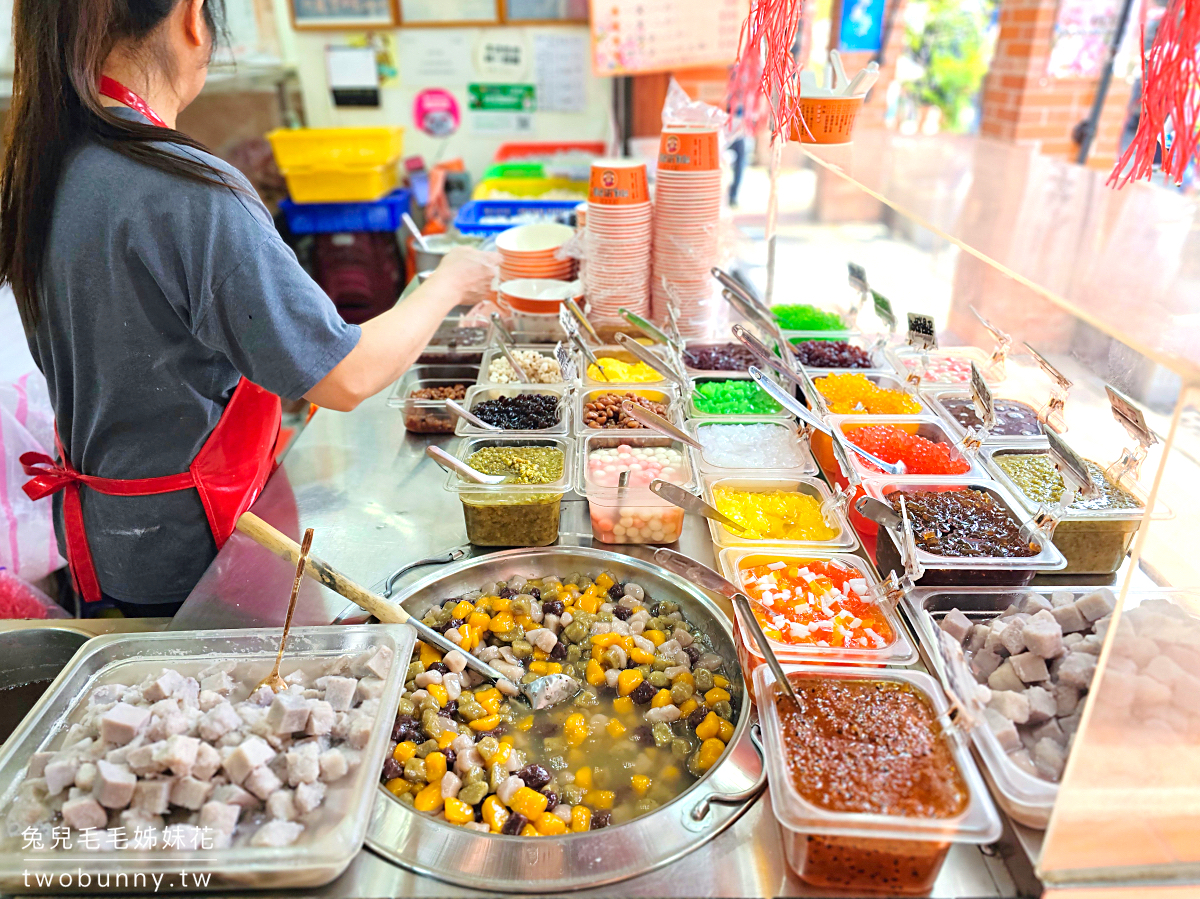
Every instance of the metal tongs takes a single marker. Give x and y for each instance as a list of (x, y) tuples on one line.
[(580, 319), (656, 422), (893, 587), (792, 405), (504, 339), (469, 417), (649, 329), (661, 366)]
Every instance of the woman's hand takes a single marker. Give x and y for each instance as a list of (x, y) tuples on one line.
[(469, 273)]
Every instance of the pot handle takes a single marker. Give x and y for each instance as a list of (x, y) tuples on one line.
[(704, 806)]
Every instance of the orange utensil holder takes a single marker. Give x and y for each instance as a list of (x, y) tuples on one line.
[(829, 120)]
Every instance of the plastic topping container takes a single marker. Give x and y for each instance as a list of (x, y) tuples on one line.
[(493, 353), (967, 519), (482, 393), (875, 357), (331, 838), (894, 648), (946, 365), (513, 514), (867, 851), (455, 344), (429, 416), (839, 537), (927, 428), (1093, 540), (704, 410), (620, 354), (822, 447), (665, 395), (632, 514), (726, 458), (1016, 421), (730, 358)]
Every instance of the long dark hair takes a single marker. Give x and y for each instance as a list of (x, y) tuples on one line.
[(60, 47)]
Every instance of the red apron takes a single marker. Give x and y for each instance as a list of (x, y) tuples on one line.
[(228, 472)]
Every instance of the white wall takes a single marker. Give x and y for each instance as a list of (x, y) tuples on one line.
[(306, 50)]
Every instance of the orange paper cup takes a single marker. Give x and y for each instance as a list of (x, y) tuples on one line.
[(689, 150), (618, 182)]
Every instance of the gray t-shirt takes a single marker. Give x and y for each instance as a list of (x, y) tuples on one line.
[(157, 295)]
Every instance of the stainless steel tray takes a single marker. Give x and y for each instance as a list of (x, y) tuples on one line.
[(553, 864), (314, 860)]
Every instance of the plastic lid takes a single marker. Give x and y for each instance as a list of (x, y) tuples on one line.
[(977, 823), (900, 651)]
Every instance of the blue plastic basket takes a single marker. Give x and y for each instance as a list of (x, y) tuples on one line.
[(514, 212), (328, 218)]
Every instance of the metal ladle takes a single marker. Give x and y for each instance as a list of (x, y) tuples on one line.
[(459, 467), (542, 693), (689, 502), (273, 680), (469, 417), (656, 422), (710, 580)]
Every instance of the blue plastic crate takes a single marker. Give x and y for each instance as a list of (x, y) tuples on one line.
[(328, 218), (515, 212)]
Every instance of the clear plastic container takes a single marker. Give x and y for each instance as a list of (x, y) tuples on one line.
[(905, 360), (868, 344), (665, 395), (928, 427), (740, 372), (941, 570), (330, 840), (1094, 541), (513, 514), (455, 344), (481, 393), (806, 468), (427, 416), (1025, 797), (900, 650), (937, 398), (537, 327), (859, 852), (822, 446), (844, 540), (632, 515), (623, 355), (692, 411), (494, 352)]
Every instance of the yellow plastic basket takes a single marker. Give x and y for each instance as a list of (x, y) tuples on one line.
[(348, 184), (296, 147), (529, 188)]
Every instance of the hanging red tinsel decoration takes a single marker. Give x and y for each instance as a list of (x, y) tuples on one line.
[(1170, 116), (764, 83)]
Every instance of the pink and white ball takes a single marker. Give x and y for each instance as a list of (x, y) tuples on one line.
[(644, 463)]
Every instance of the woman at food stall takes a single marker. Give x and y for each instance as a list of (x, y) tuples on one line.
[(160, 302)]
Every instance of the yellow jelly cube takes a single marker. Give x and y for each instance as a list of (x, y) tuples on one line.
[(719, 681), (581, 819), (641, 784), (623, 705), (710, 751), (445, 738), (658, 638), (589, 604), (529, 831), (628, 681), (397, 786), (489, 699), (491, 722), (501, 623), (576, 729), (479, 619), (708, 728), (429, 799), (540, 655), (500, 604), (428, 654), (583, 778), (598, 799), (458, 812), (688, 707), (615, 728), (525, 723), (661, 698), (550, 825), (404, 751), (435, 767), (641, 656), (494, 813), (604, 581), (463, 610), (715, 695), (606, 639), (438, 692), (725, 730), (670, 773), (685, 677), (539, 667), (529, 803), (594, 673)]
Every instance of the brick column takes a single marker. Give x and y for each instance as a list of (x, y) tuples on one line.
[(1022, 104)]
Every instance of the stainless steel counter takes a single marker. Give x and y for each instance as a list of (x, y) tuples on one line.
[(377, 503)]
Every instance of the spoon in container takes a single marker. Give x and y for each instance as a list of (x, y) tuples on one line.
[(793, 405), (541, 693), (459, 467), (273, 680), (689, 502), (579, 317), (656, 422), (648, 328), (415, 231), (588, 354), (502, 332), (516, 366), (470, 417), (710, 580)]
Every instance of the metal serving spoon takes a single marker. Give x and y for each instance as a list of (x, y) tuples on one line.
[(710, 580), (459, 467), (470, 417), (689, 502), (656, 422), (541, 693)]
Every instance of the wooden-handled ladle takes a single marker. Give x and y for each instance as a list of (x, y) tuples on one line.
[(542, 693)]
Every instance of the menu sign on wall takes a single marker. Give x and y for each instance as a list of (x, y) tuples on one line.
[(631, 36)]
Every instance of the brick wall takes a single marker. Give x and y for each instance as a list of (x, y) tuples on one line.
[(1021, 103)]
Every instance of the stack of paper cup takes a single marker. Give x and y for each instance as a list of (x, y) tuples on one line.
[(687, 218), (618, 238), (531, 251)]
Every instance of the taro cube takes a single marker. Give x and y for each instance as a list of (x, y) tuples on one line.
[(339, 692), (1076, 670), (1069, 619), (281, 805), (288, 714), (188, 792), (1043, 635), (60, 772), (219, 721), (333, 765), (1005, 678), (1029, 668), (956, 624), (984, 663), (1003, 729), (84, 813), (303, 764), (1049, 730), (114, 785), (163, 686), (277, 833), (220, 818), (262, 782), (1066, 698), (1013, 706), (309, 797), (152, 797), (1050, 758), (379, 662), (320, 718), (179, 754), (252, 753), (218, 682), (208, 761), (122, 723), (1041, 704), (1096, 605)]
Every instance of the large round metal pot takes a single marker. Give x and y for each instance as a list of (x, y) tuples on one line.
[(577, 861)]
